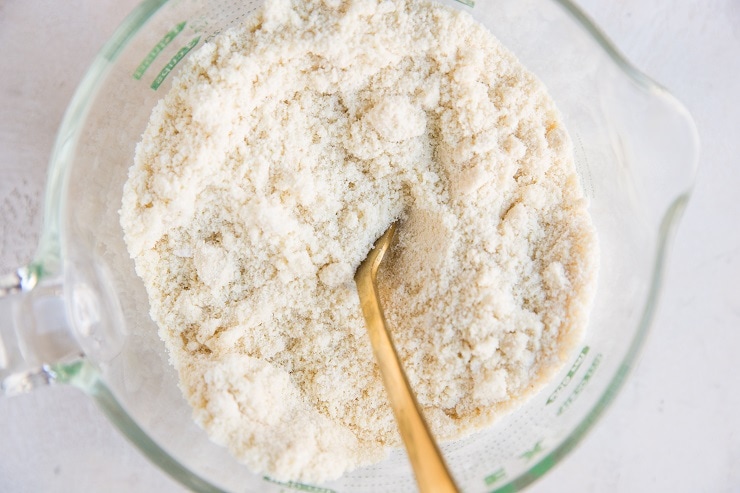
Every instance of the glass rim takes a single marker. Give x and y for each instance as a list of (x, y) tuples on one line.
[(82, 374)]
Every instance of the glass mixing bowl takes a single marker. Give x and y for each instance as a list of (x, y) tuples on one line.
[(79, 315)]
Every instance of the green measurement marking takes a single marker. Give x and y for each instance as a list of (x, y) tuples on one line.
[(569, 376), (174, 61), (495, 477), (469, 3), (581, 384), (154, 53), (299, 486), (529, 454)]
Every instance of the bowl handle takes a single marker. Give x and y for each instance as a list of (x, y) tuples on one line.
[(35, 335), (658, 140)]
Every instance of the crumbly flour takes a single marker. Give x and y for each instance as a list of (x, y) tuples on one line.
[(284, 149)]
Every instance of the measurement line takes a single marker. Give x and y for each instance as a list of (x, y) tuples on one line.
[(174, 61), (569, 376), (154, 53), (581, 385)]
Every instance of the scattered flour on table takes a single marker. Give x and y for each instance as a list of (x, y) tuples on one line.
[(284, 149)]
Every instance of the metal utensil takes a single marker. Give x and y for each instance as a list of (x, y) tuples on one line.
[(426, 460)]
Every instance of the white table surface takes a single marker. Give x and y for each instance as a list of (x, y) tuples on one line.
[(675, 426)]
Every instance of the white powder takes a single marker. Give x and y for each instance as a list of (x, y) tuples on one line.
[(284, 149)]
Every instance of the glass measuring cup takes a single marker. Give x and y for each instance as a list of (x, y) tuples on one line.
[(635, 152)]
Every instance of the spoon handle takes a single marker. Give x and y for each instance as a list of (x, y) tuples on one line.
[(429, 467)]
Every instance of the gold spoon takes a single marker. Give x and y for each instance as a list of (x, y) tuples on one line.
[(429, 467)]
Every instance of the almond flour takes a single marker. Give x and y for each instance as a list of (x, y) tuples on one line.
[(284, 149)]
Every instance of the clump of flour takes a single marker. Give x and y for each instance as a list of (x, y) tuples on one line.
[(284, 149)]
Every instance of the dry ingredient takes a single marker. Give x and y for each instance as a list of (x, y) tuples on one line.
[(284, 149)]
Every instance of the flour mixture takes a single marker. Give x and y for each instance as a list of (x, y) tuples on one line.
[(284, 149)]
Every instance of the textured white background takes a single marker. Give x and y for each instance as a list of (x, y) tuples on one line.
[(676, 425)]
